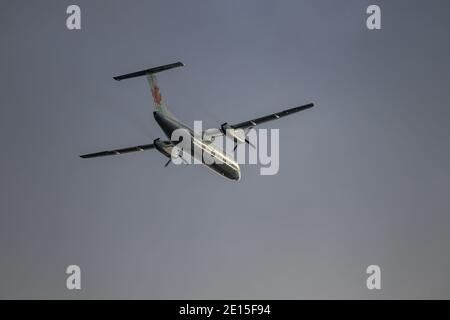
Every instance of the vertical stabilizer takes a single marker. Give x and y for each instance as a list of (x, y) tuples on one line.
[(158, 102)]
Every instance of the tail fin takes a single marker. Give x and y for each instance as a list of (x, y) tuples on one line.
[(150, 74), (156, 94)]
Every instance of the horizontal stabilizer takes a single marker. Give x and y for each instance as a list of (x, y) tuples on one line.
[(148, 71)]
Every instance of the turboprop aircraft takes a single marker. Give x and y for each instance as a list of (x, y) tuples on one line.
[(226, 166)]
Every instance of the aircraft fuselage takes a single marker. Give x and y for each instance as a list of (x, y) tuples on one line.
[(226, 167)]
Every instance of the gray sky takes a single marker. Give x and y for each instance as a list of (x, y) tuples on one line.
[(364, 176)]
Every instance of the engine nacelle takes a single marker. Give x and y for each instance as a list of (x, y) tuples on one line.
[(165, 147), (208, 138), (238, 135)]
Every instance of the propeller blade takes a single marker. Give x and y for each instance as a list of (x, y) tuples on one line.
[(249, 143)]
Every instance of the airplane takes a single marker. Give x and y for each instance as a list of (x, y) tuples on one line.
[(226, 166)]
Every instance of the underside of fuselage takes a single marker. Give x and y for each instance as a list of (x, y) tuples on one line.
[(224, 166)]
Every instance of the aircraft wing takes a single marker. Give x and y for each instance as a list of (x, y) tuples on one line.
[(118, 151), (210, 134), (270, 117)]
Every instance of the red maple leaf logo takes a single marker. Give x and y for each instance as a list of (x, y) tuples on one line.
[(156, 94)]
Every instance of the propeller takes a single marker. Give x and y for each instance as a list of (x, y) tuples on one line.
[(247, 142), (225, 126), (180, 155)]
